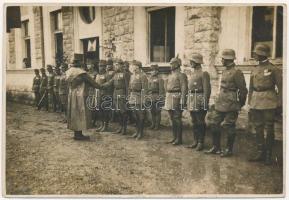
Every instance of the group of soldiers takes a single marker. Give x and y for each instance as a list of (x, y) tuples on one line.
[(126, 90)]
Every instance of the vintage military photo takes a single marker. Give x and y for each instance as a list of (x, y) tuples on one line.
[(170, 100)]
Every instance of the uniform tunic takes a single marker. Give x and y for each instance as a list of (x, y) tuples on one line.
[(63, 89), (233, 91), (199, 88), (156, 90), (36, 88), (263, 82), (176, 90), (138, 86)]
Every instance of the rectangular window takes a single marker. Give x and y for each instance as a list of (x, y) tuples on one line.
[(57, 20), (27, 45), (267, 28), (56, 24), (162, 34)]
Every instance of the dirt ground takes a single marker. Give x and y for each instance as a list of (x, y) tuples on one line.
[(42, 158)]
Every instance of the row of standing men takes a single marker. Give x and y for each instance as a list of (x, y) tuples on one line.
[(127, 84)]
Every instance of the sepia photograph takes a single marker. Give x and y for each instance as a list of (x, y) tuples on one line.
[(144, 100)]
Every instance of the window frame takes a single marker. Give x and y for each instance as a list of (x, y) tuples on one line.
[(26, 40), (148, 11), (274, 33)]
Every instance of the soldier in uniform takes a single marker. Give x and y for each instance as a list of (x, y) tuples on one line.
[(109, 74), (63, 89), (50, 88), (43, 90), (198, 100), (104, 96), (263, 101), (36, 86), (176, 91), (56, 88), (230, 100), (120, 83), (156, 92), (137, 90)]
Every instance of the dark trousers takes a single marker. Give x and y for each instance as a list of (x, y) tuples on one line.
[(177, 126), (199, 125), (37, 97), (43, 100), (215, 118), (139, 115), (156, 115), (51, 100), (264, 120)]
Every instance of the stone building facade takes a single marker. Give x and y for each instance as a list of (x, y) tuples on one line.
[(150, 34)]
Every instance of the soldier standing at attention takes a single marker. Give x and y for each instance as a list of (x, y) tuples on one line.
[(36, 86), (63, 90), (264, 101), (230, 100), (198, 100), (56, 88), (50, 86), (120, 83), (156, 92), (103, 97), (137, 90), (109, 74), (176, 91), (43, 90)]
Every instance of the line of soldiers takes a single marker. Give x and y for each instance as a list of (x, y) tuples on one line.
[(123, 88)]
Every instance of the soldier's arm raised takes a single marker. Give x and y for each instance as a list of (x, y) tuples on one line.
[(108, 83), (90, 80), (241, 85)]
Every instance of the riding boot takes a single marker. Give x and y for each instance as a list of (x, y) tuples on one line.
[(153, 122), (104, 127), (79, 136), (216, 141), (229, 150), (202, 132), (174, 134), (178, 141), (269, 145), (261, 147), (196, 137), (124, 126), (140, 134), (158, 121)]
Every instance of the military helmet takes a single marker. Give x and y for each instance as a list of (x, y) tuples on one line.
[(109, 61), (229, 54), (176, 60), (102, 63), (262, 50), (197, 58)]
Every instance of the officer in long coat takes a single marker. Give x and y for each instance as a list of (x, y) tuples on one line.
[(50, 88), (119, 82), (56, 88), (43, 91), (63, 90), (265, 96), (138, 86), (199, 88), (36, 86), (230, 100), (156, 92), (78, 112), (176, 91)]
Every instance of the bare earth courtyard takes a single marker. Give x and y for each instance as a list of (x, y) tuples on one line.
[(42, 158)]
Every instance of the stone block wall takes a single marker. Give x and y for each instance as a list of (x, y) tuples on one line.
[(202, 29), (118, 27), (38, 36), (68, 31)]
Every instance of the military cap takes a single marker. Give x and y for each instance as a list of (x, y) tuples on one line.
[(109, 61), (176, 60), (102, 63), (137, 63), (229, 54), (197, 58), (118, 61), (262, 50), (36, 70), (42, 69)]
